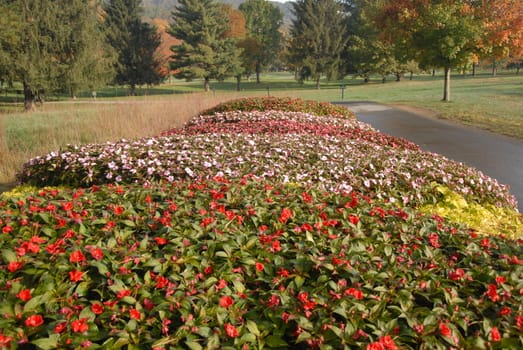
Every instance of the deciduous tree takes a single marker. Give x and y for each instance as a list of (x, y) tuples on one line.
[(263, 22)]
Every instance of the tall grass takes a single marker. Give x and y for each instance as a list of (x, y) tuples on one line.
[(26, 135)]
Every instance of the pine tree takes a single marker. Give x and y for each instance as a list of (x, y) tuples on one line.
[(135, 42), (55, 47), (263, 21), (318, 38), (205, 52)]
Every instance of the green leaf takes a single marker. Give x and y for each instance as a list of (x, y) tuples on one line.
[(193, 345), (9, 255), (274, 341), (253, 328), (47, 343), (128, 223)]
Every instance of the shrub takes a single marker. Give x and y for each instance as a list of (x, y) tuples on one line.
[(219, 264), (285, 104)]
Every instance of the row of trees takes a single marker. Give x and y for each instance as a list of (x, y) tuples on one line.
[(68, 45)]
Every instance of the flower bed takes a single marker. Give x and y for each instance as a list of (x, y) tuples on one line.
[(339, 154), (286, 104), (248, 263)]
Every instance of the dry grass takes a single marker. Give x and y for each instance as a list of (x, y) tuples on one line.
[(26, 135)]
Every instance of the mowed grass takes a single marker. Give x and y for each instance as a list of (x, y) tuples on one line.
[(492, 103)]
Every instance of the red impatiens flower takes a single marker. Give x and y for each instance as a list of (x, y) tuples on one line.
[(161, 240), (97, 253), (356, 293), (492, 292), (5, 341), (60, 327), (285, 215), (495, 335), (14, 266), (226, 301), (433, 240), (444, 330), (80, 326), (383, 343), (34, 321), (24, 294), (75, 276), (259, 266), (519, 322), (231, 331), (135, 314), (97, 308), (76, 256), (123, 293), (7, 229), (457, 274)]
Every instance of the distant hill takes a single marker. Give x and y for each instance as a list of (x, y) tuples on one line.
[(163, 8)]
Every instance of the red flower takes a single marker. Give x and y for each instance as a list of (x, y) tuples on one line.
[(519, 322), (60, 327), (123, 293), (231, 331), (7, 229), (259, 266), (135, 314), (75, 276), (34, 321), (5, 341), (433, 240), (161, 240), (161, 282), (24, 295), (208, 270), (14, 266), (354, 219), (97, 308), (97, 253), (501, 280), (307, 198), (495, 335), (285, 215), (504, 311), (76, 256), (444, 330), (273, 301), (226, 301), (356, 293), (118, 210), (221, 284), (456, 275), (492, 292), (80, 326)]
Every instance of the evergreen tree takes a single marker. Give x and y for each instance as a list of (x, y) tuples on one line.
[(205, 52), (263, 22), (55, 46), (318, 38), (135, 42)]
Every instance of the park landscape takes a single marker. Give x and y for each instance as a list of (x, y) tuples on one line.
[(264, 218)]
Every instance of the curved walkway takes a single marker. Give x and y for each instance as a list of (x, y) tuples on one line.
[(497, 156)]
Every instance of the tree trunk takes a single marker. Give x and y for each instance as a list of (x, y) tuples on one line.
[(398, 77), (433, 72), (132, 91), (318, 83), (29, 99), (494, 68), (238, 81), (207, 84), (258, 71), (446, 88), (473, 69), (411, 74)]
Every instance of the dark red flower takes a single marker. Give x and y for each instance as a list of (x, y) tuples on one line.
[(231, 331), (34, 321)]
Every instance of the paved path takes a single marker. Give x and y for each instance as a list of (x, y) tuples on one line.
[(497, 156)]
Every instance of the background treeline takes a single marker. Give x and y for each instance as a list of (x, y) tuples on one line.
[(72, 45)]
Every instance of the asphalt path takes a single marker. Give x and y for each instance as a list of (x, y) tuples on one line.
[(497, 156)]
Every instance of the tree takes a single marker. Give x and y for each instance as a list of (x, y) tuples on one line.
[(263, 22), (318, 38), (135, 42), (238, 32), (52, 46), (502, 37), (205, 51), (441, 33)]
